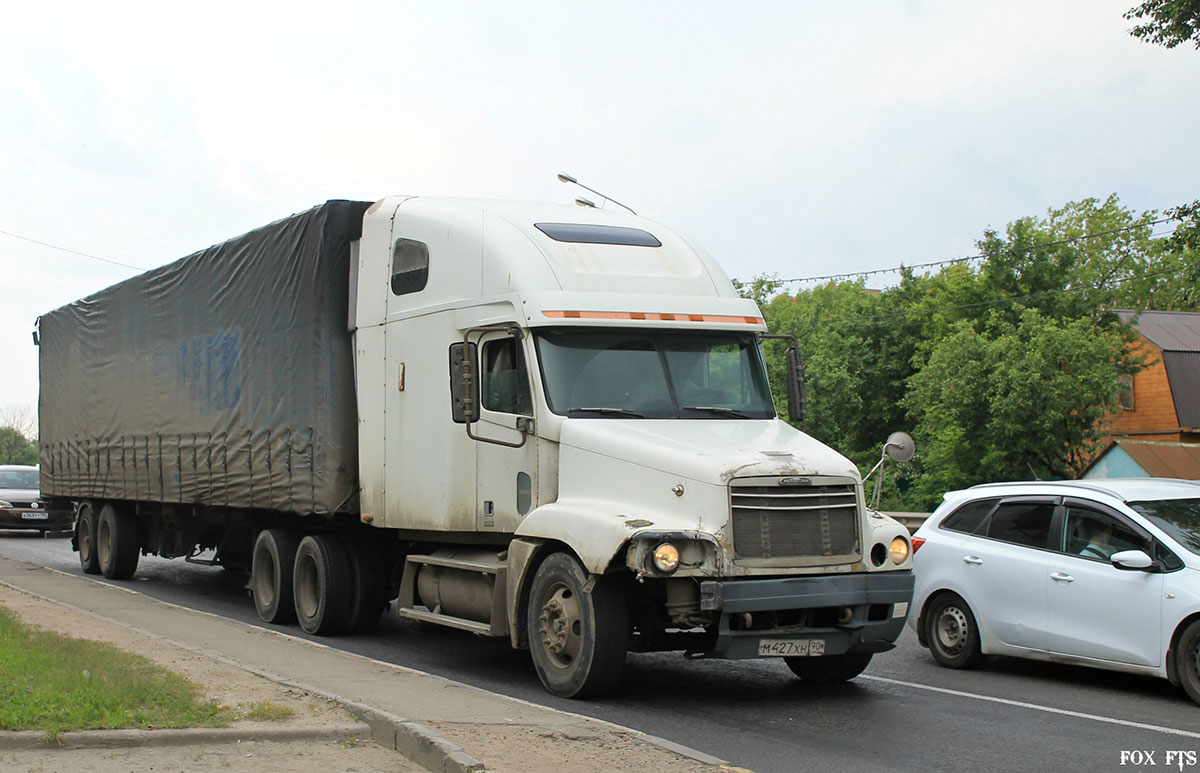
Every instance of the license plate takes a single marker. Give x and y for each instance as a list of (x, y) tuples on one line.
[(35, 516), (791, 647)]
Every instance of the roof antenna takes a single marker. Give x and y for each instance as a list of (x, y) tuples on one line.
[(1030, 466), (566, 178)]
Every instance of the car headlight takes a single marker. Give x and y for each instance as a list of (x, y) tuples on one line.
[(899, 550), (666, 558), (5, 505)]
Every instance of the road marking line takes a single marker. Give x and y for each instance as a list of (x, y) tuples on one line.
[(1035, 707)]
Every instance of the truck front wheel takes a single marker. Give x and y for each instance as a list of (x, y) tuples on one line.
[(117, 544), (271, 567), (578, 629), (85, 538), (830, 668)]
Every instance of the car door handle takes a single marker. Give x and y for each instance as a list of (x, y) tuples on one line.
[(1060, 577), (973, 560)]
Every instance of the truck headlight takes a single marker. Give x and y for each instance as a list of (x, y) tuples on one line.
[(666, 558), (899, 550)]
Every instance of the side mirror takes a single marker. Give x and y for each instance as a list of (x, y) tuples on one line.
[(1132, 560), (900, 447), (464, 383), (797, 391)]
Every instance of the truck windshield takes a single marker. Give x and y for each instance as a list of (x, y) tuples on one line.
[(654, 374)]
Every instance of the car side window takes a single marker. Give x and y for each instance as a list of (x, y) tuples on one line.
[(1022, 523), (1091, 534), (970, 516), (1169, 560)]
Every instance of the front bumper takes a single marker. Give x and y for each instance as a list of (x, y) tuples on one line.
[(37, 518), (878, 605)]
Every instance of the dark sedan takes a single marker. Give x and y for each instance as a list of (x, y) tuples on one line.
[(20, 502)]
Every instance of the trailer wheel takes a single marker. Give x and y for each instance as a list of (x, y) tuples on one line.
[(578, 629), (322, 585), (368, 588), (830, 668), (271, 568), (85, 538), (117, 544)]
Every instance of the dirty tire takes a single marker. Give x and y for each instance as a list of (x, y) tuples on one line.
[(951, 632), (368, 585), (271, 569), (321, 585), (85, 538), (117, 542), (830, 668), (577, 639), (1187, 660)]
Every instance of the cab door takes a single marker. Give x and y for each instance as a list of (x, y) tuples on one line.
[(506, 475)]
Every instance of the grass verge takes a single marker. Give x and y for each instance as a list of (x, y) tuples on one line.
[(56, 684)]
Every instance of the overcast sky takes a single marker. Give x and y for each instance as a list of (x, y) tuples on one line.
[(794, 138)]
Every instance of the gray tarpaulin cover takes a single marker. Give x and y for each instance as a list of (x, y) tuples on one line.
[(225, 378)]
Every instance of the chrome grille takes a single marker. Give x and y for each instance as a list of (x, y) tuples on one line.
[(775, 521)]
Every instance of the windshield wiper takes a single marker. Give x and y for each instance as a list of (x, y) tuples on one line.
[(717, 409), (619, 411)]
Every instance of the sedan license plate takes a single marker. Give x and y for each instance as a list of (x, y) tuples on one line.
[(35, 516), (791, 647)]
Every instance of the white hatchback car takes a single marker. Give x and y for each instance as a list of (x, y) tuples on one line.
[(1102, 573)]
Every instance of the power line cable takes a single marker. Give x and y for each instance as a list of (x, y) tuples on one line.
[(981, 256), (73, 252)]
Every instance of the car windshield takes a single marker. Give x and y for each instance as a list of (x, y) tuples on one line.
[(1178, 517), (20, 479), (649, 374)]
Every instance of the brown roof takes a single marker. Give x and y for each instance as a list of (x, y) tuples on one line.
[(1171, 331), (1177, 334), (1165, 460)]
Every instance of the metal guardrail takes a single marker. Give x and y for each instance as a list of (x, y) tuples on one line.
[(911, 521)]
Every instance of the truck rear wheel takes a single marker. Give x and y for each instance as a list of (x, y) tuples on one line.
[(117, 543), (830, 668), (578, 629), (271, 569), (85, 538), (322, 585)]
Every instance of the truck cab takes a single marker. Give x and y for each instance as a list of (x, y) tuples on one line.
[(564, 416)]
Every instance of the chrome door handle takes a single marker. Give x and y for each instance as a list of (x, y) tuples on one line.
[(1060, 577), (973, 560)]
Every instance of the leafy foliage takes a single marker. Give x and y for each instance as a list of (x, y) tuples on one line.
[(1001, 366), (1169, 22), (15, 448)]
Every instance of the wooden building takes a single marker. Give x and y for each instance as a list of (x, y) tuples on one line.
[(1160, 406)]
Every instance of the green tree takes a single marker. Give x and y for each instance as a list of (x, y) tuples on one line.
[(1182, 254), (15, 448), (1013, 400), (1169, 22)]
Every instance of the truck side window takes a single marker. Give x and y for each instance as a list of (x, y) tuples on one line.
[(410, 267), (505, 381)]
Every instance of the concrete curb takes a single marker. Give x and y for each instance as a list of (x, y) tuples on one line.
[(412, 739), (115, 739), (415, 740)]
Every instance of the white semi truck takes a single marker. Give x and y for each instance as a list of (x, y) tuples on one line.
[(523, 420)]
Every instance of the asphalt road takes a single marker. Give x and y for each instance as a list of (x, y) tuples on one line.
[(904, 713)]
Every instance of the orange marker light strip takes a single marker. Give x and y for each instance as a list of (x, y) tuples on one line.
[(653, 316)]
